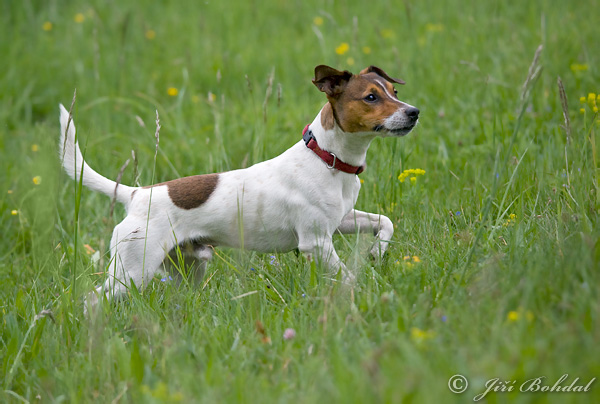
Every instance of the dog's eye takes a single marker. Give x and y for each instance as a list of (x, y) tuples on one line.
[(371, 98), (395, 91)]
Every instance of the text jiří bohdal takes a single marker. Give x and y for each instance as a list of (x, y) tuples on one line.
[(537, 384)]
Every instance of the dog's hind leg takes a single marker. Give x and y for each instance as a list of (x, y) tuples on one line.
[(203, 253), (192, 269), (136, 256)]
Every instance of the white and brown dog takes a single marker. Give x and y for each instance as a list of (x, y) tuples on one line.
[(297, 200)]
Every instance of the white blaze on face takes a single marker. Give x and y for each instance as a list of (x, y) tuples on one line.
[(391, 96), (398, 121)]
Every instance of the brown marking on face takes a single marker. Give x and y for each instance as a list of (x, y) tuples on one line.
[(331, 81), (327, 118), (191, 192), (355, 113), (381, 73), (347, 96)]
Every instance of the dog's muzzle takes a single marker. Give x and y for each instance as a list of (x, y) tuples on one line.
[(401, 122)]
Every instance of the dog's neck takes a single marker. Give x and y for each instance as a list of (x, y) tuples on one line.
[(348, 147)]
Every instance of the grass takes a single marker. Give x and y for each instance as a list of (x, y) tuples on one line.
[(503, 224)]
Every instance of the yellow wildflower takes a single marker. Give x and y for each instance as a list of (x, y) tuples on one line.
[(413, 179), (14, 212), (366, 50), (582, 100), (419, 336), (582, 110), (172, 91), (576, 67), (408, 261), (350, 61), (516, 315), (35, 147), (160, 392), (591, 98), (195, 99), (511, 220), (150, 34), (79, 18), (414, 172), (47, 26), (318, 20), (595, 109), (362, 181), (434, 27), (387, 33), (37, 180), (343, 48), (10, 191)]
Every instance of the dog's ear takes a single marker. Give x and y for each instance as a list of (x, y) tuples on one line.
[(377, 70), (331, 81)]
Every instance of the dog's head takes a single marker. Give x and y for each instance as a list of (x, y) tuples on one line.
[(364, 102)]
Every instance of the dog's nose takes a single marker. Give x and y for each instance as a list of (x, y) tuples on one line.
[(412, 112)]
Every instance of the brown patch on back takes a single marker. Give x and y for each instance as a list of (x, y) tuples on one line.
[(191, 192), (327, 118)]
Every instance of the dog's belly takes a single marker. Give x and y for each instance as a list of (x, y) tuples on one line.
[(267, 241), (258, 233), (260, 241)]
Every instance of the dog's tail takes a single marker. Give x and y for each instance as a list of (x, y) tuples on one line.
[(73, 162)]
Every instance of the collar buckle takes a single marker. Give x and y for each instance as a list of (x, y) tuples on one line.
[(331, 161), (307, 135)]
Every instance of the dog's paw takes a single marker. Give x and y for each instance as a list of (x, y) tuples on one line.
[(348, 277), (90, 303), (378, 250)]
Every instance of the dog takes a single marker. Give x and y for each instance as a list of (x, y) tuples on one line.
[(296, 201)]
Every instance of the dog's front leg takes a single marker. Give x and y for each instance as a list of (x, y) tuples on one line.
[(322, 251), (380, 226)]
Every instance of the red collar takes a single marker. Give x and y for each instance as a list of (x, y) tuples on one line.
[(329, 158)]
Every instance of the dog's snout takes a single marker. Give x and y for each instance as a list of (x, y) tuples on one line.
[(412, 112)]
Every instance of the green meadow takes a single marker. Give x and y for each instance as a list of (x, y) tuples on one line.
[(493, 269)]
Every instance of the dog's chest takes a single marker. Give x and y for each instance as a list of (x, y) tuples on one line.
[(349, 189)]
